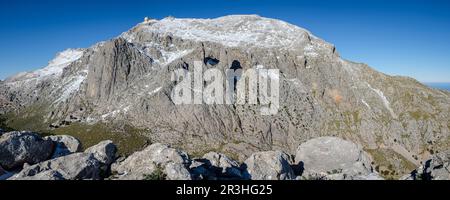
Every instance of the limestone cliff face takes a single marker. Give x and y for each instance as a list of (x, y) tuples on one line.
[(127, 80)]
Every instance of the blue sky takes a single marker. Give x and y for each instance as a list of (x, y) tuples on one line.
[(409, 37)]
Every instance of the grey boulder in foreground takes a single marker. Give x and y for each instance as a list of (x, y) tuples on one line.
[(269, 165), (324, 158), (65, 145), (333, 158), (17, 148), (156, 158), (159, 161)]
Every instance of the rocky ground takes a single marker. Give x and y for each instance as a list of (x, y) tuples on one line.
[(28, 156)]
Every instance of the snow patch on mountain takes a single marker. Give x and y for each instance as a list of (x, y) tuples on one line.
[(54, 68), (386, 103), (365, 103), (62, 60), (232, 31), (170, 56), (71, 86)]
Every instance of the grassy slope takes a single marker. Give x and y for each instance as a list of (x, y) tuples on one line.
[(128, 139)]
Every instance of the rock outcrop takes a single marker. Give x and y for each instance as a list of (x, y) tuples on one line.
[(223, 166), (436, 168), (71, 167), (65, 145), (152, 159), (333, 158), (177, 171), (323, 158), (105, 152), (17, 148), (269, 165), (91, 164)]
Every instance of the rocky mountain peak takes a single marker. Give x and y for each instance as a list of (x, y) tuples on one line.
[(230, 31)]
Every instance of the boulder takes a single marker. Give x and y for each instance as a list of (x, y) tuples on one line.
[(223, 165), (201, 170), (439, 166), (77, 166), (148, 161), (65, 145), (44, 175), (177, 171), (436, 168), (332, 158), (269, 165), (17, 148), (105, 152)]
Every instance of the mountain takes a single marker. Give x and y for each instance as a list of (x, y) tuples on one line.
[(124, 85)]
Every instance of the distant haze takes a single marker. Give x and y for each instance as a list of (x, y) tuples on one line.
[(443, 86)]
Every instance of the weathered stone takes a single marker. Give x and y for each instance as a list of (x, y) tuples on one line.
[(146, 162), (177, 171), (65, 145), (332, 158), (45, 175), (436, 168), (223, 165), (17, 148), (75, 166), (269, 165), (105, 152), (201, 170)]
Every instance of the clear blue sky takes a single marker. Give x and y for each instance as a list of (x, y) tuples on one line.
[(409, 37)]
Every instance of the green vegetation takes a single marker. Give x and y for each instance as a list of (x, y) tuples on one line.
[(390, 164), (351, 118), (219, 149), (419, 115), (128, 139), (3, 124), (30, 118)]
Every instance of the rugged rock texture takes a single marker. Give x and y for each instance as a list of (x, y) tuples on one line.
[(161, 162), (223, 165), (72, 167), (127, 80), (65, 145), (332, 158), (437, 168), (269, 165), (92, 164), (177, 171), (152, 159), (17, 148), (105, 152)]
